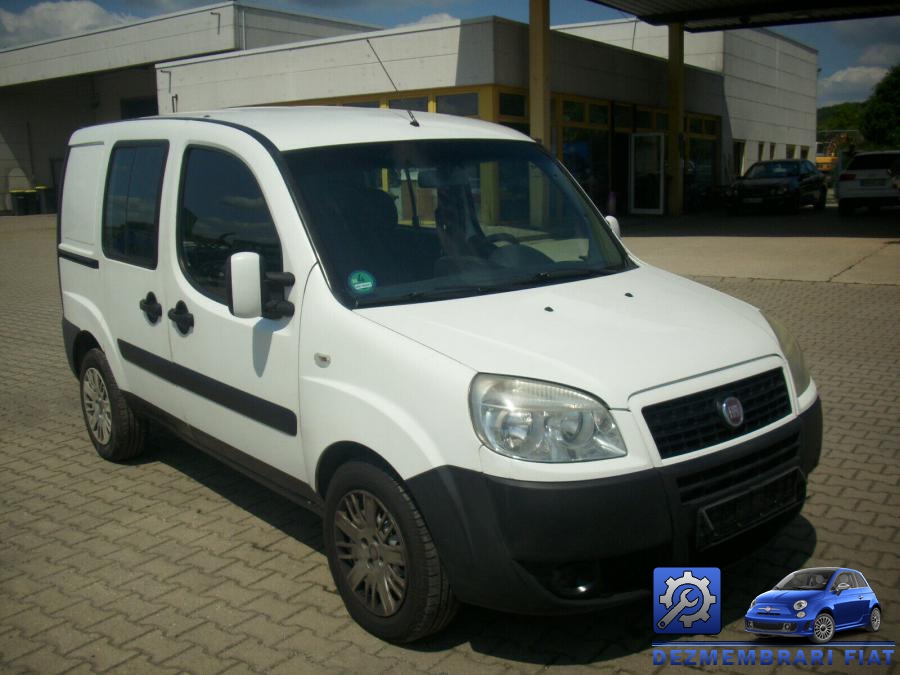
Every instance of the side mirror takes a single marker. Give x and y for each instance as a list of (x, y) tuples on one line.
[(842, 587), (614, 225), (243, 281)]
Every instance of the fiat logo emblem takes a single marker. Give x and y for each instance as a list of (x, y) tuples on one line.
[(732, 412), (768, 609)]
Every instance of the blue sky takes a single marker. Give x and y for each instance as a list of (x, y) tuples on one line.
[(853, 55)]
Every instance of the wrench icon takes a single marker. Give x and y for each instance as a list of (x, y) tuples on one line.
[(683, 603)]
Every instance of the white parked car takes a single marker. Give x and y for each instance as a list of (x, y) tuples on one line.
[(428, 334), (870, 179)]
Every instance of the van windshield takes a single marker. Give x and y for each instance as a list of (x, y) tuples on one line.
[(426, 220)]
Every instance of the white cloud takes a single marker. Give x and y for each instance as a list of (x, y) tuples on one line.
[(440, 17), (55, 19), (849, 84), (882, 54)]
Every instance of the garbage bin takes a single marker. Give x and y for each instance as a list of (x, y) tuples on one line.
[(25, 202), (46, 199)]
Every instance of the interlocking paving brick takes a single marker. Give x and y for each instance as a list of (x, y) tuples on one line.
[(176, 562)]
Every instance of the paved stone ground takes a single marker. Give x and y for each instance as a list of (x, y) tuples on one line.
[(177, 563)]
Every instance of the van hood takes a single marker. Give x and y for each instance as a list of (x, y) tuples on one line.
[(612, 336)]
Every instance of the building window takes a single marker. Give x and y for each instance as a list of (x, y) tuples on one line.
[(573, 111), (512, 105), (222, 212), (131, 204), (804, 152), (598, 114), (662, 121), (362, 104), (465, 105), (771, 151), (760, 150), (790, 151), (643, 119), (417, 103), (623, 115)]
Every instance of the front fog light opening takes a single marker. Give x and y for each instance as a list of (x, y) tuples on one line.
[(800, 615)]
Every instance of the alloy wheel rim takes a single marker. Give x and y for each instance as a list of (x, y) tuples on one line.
[(371, 552), (824, 627), (876, 619), (97, 409)]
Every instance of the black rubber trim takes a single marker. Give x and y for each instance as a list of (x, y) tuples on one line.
[(78, 259), (248, 405), (70, 331), (277, 481), (500, 539)]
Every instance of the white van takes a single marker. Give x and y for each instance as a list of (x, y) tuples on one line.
[(424, 331)]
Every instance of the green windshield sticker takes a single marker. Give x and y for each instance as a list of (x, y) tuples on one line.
[(361, 282)]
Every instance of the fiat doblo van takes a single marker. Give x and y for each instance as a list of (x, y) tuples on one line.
[(427, 333)]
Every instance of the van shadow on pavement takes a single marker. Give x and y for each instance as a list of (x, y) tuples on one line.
[(547, 640)]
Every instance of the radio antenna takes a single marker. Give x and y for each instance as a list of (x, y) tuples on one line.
[(412, 118)]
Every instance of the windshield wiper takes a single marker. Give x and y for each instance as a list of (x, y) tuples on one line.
[(566, 273)]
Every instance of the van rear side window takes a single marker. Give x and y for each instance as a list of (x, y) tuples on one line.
[(131, 203)]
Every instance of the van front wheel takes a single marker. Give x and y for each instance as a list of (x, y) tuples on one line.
[(382, 558), (116, 432)]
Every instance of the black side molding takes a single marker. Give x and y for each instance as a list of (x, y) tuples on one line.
[(248, 405), (284, 484), (78, 259)]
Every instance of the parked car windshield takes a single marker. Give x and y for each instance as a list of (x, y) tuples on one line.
[(426, 220), (877, 160), (805, 580), (773, 170)]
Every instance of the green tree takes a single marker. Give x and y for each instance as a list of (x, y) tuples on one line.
[(881, 115), (842, 116)]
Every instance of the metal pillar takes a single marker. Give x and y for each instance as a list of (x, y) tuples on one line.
[(675, 138), (539, 70)]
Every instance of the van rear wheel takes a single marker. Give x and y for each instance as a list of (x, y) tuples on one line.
[(116, 432), (382, 557)]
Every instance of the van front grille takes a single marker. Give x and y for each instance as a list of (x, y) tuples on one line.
[(694, 422)]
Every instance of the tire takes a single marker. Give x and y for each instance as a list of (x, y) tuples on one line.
[(874, 620), (823, 629), (115, 430), (845, 208), (399, 591), (820, 202)]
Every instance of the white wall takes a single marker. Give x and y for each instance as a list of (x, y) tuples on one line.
[(440, 55), (703, 50), (205, 30), (257, 27), (770, 90), (587, 68)]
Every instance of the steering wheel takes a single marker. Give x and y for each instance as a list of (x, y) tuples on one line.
[(500, 236)]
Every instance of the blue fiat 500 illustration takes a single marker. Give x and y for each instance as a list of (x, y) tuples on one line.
[(815, 603)]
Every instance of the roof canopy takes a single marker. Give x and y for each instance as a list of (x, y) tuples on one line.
[(704, 15)]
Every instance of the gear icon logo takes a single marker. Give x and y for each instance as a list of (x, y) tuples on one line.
[(687, 601)]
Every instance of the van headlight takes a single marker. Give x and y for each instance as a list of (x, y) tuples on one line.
[(542, 422), (791, 349)]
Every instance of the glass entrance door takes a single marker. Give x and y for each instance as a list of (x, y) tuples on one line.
[(646, 177)]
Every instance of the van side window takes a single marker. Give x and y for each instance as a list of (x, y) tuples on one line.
[(131, 204), (221, 211)]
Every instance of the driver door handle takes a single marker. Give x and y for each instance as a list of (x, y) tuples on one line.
[(151, 308), (182, 318)]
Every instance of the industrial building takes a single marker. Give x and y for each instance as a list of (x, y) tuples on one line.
[(748, 93)]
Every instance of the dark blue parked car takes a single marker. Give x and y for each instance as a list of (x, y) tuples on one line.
[(815, 603)]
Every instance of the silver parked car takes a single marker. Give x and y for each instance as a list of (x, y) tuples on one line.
[(870, 179)]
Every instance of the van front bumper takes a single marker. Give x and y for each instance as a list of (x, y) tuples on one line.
[(560, 547)]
